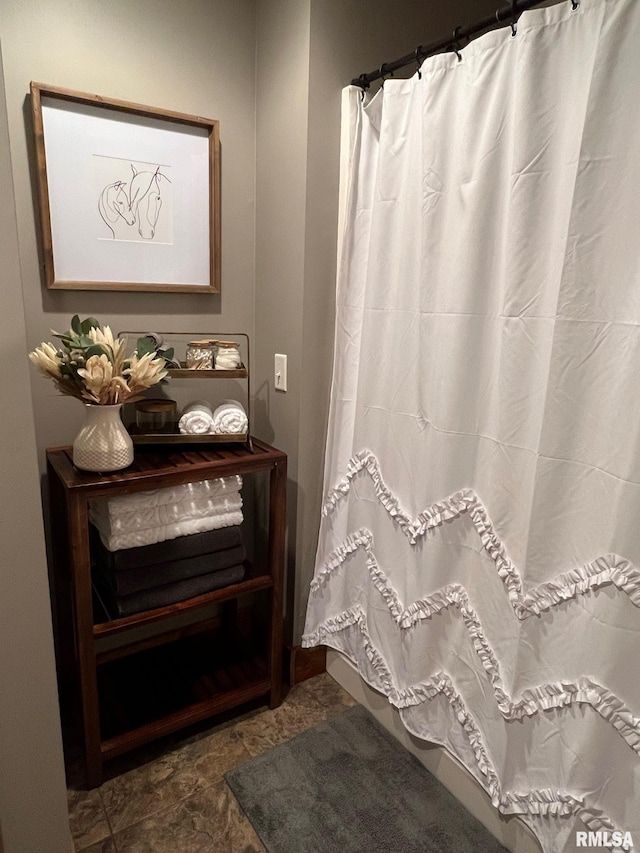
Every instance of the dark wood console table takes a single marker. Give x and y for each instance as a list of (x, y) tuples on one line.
[(217, 665)]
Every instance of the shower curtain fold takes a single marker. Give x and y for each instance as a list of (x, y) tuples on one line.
[(479, 551)]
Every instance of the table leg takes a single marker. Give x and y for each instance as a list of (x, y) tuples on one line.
[(78, 531), (276, 555)]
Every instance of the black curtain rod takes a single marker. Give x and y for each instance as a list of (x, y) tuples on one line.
[(508, 13)]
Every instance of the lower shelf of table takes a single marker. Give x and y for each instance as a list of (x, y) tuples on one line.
[(163, 689), (256, 579)]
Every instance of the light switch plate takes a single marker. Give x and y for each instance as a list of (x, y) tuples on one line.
[(280, 372)]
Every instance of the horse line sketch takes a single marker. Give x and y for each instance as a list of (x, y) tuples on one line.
[(134, 204)]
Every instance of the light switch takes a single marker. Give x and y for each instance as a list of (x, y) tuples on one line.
[(280, 372)]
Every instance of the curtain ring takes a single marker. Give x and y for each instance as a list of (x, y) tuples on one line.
[(382, 72), (455, 44), (363, 82), (574, 5), (419, 62), (514, 18)]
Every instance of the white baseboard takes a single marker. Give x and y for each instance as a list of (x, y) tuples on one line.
[(511, 832)]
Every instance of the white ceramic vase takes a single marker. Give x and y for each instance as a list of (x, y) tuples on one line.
[(103, 444)]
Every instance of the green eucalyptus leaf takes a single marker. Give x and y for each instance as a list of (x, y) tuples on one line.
[(75, 324), (167, 354), (92, 323), (145, 345), (94, 349)]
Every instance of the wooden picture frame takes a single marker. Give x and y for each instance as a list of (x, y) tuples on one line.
[(129, 195)]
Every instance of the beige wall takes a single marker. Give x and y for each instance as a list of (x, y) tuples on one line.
[(282, 74), (32, 788)]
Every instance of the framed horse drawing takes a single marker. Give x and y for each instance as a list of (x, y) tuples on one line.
[(129, 195)]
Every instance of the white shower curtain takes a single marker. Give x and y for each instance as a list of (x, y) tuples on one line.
[(479, 551)]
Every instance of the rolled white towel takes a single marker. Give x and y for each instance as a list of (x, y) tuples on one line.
[(230, 418), (196, 419)]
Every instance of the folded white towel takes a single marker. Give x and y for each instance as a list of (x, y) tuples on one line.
[(230, 417), (111, 523), (126, 504), (150, 535), (196, 419)]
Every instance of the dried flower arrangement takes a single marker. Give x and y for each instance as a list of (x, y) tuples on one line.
[(92, 366)]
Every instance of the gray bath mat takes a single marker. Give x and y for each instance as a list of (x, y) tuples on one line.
[(347, 786)]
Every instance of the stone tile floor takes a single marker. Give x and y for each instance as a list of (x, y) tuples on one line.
[(174, 799)]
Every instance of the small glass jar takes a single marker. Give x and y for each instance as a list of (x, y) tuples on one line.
[(156, 415), (200, 355), (227, 355)]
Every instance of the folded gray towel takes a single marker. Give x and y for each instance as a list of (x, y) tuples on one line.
[(164, 552), (163, 596), (130, 581)]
